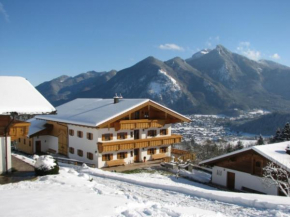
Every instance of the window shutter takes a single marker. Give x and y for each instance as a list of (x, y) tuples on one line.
[(166, 131), (111, 136), (118, 156), (103, 136), (103, 158), (111, 155), (118, 136), (126, 134), (126, 154), (148, 152), (154, 151)]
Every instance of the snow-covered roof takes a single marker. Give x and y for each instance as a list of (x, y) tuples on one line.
[(18, 95), (93, 112), (273, 152), (35, 126)]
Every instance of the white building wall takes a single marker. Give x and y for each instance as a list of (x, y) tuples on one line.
[(83, 144), (3, 155), (219, 176), (47, 142)]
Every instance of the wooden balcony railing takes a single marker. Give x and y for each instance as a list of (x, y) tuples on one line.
[(138, 124), (138, 143)]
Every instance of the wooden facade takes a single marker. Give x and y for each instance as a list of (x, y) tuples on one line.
[(16, 129), (60, 130), (249, 162), (138, 143)]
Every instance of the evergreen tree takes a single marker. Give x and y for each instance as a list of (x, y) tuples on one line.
[(239, 145), (260, 140), (286, 132)]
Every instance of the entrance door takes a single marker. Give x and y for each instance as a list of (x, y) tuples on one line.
[(38, 146), (136, 155), (136, 134), (230, 180)]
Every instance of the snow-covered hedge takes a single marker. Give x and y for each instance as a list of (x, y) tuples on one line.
[(45, 165)]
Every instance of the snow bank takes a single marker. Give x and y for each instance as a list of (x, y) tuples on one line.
[(253, 200)]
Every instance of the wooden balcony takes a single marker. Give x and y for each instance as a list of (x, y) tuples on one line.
[(138, 124), (138, 143)]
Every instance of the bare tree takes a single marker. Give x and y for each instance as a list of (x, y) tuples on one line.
[(278, 176)]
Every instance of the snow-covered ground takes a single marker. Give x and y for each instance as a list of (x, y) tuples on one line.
[(84, 191)]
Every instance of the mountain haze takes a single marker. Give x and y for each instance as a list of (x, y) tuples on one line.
[(211, 81)]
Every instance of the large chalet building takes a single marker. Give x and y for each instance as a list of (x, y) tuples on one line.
[(105, 132), (17, 97), (242, 170)]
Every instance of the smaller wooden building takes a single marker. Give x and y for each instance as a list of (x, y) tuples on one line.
[(242, 170), (17, 97)]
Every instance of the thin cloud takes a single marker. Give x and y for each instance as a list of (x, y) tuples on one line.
[(275, 56), (4, 13), (212, 40), (171, 47), (245, 49)]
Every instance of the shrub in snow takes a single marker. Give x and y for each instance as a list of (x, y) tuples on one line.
[(46, 165)]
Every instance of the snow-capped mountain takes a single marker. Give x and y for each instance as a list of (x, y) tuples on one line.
[(214, 81)]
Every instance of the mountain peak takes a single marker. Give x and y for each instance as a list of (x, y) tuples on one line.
[(200, 53)]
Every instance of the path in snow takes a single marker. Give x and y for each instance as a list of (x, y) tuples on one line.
[(173, 199)]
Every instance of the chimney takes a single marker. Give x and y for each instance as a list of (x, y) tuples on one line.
[(116, 99)]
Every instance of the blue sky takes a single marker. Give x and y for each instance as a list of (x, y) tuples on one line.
[(41, 40)]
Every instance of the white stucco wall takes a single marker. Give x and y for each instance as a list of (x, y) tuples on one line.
[(219, 176), (83, 144), (47, 142), (3, 155)]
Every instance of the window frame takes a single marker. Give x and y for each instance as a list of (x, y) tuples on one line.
[(71, 132), (80, 153), (162, 132), (163, 149), (90, 136), (151, 151), (90, 156), (80, 134), (107, 157), (154, 134), (107, 135), (71, 150), (122, 155), (122, 135)]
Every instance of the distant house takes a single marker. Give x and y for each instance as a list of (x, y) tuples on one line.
[(243, 169), (105, 132), (17, 97)]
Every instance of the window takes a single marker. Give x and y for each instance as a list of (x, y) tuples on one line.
[(24, 141), (29, 143), (122, 155), (132, 134), (71, 132), (146, 114), (71, 150), (151, 151), (163, 150), (131, 153), (90, 156), (152, 133), (107, 157), (89, 136), (163, 132), (19, 140), (107, 137), (80, 153), (122, 136), (80, 134), (137, 115)]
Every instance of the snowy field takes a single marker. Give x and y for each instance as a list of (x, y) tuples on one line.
[(83, 191)]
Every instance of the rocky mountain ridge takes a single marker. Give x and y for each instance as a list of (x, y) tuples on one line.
[(211, 81)]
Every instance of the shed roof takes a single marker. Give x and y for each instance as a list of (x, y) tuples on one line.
[(93, 112), (18, 95), (274, 152)]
